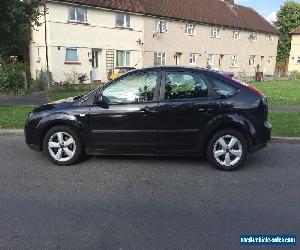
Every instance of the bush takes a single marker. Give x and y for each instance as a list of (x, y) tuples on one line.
[(11, 79)]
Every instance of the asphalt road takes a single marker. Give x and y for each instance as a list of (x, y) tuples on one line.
[(143, 202)]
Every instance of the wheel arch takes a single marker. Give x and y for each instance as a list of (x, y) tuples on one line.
[(236, 122), (59, 120)]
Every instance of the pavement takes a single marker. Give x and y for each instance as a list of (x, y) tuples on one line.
[(144, 202), (287, 108), (36, 98)]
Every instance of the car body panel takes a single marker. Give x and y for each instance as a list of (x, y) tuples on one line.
[(162, 127)]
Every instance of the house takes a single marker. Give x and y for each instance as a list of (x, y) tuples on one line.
[(98, 37), (294, 61)]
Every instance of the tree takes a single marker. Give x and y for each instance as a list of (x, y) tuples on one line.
[(16, 19), (288, 19)]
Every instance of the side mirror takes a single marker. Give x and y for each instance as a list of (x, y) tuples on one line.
[(100, 100)]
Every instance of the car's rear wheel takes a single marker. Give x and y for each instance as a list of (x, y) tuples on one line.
[(227, 149), (62, 146)]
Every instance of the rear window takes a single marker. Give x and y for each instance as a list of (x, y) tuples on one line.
[(222, 88)]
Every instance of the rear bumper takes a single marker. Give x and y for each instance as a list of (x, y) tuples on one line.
[(262, 138)]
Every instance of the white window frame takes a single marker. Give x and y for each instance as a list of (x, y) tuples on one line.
[(190, 29), (215, 32), (76, 17), (236, 34), (270, 39), (193, 59), (298, 60), (77, 54), (234, 61), (161, 26), (125, 19), (270, 60), (253, 36), (160, 56), (126, 63), (251, 61), (210, 60)]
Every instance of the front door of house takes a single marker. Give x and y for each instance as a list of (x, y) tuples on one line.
[(95, 65)]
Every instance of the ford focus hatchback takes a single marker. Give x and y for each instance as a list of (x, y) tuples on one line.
[(156, 111)]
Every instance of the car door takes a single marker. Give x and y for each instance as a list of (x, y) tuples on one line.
[(128, 123), (187, 104)]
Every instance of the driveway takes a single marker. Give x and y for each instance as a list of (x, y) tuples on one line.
[(36, 98), (144, 202)]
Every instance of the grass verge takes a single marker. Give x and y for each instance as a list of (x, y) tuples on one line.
[(281, 92), (285, 123), (12, 116)]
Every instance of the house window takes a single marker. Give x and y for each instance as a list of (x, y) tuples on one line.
[(77, 14), (193, 58), (236, 34), (234, 61), (298, 60), (123, 58), (190, 29), (251, 61), (215, 32), (71, 55), (270, 39), (159, 59), (253, 36), (161, 26), (210, 60), (270, 60), (123, 20)]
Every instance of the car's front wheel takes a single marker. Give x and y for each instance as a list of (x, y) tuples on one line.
[(62, 146), (227, 149)]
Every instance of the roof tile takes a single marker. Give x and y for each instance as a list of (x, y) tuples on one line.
[(213, 12)]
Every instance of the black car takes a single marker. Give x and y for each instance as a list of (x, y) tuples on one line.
[(156, 111)]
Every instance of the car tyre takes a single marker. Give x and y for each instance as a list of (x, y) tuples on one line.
[(227, 149), (62, 146)]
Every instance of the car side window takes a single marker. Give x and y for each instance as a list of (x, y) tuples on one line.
[(134, 88), (221, 87), (184, 85)]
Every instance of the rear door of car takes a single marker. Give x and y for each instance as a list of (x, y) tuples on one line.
[(187, 103)]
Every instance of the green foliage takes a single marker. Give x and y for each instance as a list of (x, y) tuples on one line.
[(16, 19), (288, 19), (11, 79)]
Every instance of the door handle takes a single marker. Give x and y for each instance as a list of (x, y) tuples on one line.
[(145, 111)]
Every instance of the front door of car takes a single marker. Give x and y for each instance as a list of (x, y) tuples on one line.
[(187, 104), (126, 122)]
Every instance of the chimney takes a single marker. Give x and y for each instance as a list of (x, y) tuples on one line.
[(231, 2)]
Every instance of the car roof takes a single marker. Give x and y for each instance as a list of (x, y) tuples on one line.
[(180, 68)]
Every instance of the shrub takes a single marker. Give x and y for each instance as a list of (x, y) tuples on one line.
[(11, 79)]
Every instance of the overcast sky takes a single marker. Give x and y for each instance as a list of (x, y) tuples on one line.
[(267, 8)]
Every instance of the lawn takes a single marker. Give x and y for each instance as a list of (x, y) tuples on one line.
[(14, 116), (71, 90), (281, 92), (284, 123)]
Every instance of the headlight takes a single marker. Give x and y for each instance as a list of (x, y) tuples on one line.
[(30, 115)]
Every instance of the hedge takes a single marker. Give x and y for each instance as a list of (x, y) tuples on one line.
[(11, 79)]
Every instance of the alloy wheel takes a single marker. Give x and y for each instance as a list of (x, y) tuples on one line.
[(62, 146), (228, 150)]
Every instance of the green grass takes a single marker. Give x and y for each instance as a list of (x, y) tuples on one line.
[(285, 123), (71, 90), (281, 92), (13, 116)]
